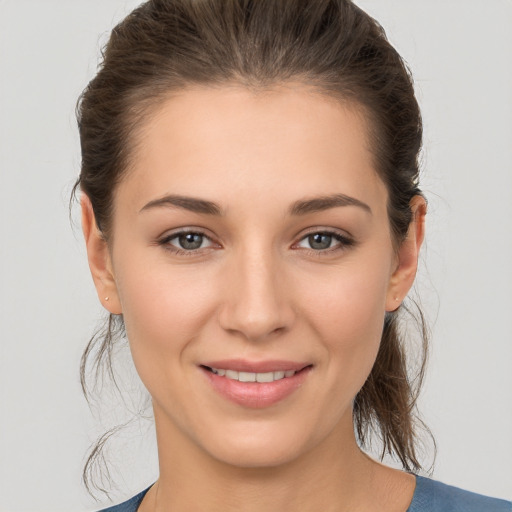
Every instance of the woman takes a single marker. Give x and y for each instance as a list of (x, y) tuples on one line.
[(252, 216)]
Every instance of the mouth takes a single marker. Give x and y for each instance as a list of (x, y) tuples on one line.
[(267, 384), (242, 376)]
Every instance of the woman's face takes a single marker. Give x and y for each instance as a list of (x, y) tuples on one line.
[(251, 236)]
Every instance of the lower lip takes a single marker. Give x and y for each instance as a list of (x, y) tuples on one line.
[(256, 395)]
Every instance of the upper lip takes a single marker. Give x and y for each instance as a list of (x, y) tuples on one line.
[(242, 365)]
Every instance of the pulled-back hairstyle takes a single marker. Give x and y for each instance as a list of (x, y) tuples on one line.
[(330, 45)]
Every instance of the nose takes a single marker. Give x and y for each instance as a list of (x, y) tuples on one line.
[(256, 301)]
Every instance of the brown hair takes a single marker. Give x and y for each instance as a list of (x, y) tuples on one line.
[(332, 45)]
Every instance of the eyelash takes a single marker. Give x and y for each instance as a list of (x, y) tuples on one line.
[(344, 241), (165, 242)]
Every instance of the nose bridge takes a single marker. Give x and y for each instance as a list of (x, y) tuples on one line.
[(256, 300)]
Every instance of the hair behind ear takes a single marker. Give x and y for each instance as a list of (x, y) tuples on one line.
[(386, 405)]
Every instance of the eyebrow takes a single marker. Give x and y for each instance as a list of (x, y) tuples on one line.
[(301, 207), (188, 203), (318, 204)]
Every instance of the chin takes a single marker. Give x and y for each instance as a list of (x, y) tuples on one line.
[(259, 446), (255, 456)]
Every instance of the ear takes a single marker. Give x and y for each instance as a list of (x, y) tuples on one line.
[(403, 277), (99, 259)]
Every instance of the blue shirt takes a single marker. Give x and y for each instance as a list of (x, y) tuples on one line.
[(429, 496)]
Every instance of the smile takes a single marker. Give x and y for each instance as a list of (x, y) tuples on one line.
[(253, 377), (267, 384)]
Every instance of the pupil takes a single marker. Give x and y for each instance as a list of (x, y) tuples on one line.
[(320, 241), (191, 240)]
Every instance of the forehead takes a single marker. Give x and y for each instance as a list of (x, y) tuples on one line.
[(228, 142)]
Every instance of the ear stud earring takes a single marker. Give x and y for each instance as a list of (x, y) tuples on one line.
[(107, 298)]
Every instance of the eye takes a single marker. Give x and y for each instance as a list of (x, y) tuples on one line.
[(186, 241), (190, 241), (325, 240)]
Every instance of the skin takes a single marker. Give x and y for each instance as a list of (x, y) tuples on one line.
[(256, 289)]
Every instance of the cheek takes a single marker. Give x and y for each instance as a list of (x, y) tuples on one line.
[(164, 309), (346, 310), (349, 300)]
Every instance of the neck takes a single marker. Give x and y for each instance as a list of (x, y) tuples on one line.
[(332, 476)]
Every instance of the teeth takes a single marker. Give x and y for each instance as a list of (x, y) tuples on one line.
[(265, 377), (246, 377), (231, 374), (253, 377)]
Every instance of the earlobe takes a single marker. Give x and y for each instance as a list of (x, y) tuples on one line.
[(403, 277), (99, 259)]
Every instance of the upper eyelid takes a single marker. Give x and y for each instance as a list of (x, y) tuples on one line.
[(180, 231), (326, 231), (342, 239), (309, 231), (172, 236), (320, 229)]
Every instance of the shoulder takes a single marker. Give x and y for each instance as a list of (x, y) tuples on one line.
[(429, 496), (433, 496), (128, 506)]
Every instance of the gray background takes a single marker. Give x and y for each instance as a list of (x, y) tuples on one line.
[(461, 55)]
